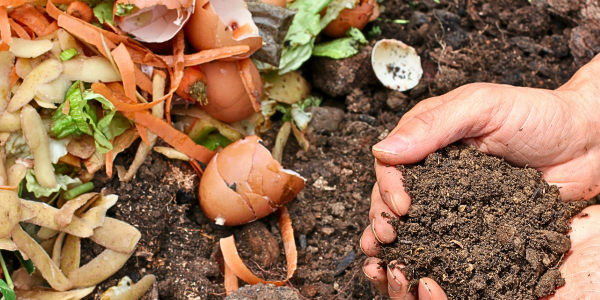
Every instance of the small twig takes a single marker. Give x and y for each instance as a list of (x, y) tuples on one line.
[(345, 287)]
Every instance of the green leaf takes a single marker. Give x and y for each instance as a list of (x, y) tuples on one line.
[(77, 104), (104, 12), (310, 101), (342, 47), (90, 95), (68, 54), (124, 10), (214, 140), (300, 38), (7, 292), (285, 109), (27, 264), (39, 191), (117, 124)]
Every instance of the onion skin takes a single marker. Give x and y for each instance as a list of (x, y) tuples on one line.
[(228, 100), (244, 183), (357, 17)]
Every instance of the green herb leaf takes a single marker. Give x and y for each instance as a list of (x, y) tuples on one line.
[(286, 110), (77, 104), (342, 47), (104, 12), (310, 101), (68, 54), (7, 292), (124, 10), (27, 264)]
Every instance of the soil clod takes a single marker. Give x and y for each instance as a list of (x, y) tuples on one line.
[(481, 228)]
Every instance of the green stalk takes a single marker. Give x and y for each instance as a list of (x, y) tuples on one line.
[(5, 271), (78, 190)]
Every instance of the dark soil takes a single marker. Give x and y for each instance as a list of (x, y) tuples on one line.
[(481, 228), (502, 41)]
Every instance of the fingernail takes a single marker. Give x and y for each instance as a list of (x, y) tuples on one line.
[(395, 143), (390, 199), (375, 233), (360, 245), (394, 284), (425, 297)]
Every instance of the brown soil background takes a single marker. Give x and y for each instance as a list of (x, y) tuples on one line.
[(481, 228), (501, 41)]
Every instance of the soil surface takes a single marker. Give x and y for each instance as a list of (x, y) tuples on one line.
[(459, 42), (481, 228)]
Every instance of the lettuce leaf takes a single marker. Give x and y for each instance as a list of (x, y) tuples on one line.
[(342, 47), (82, 118), (104, 12), (300, 39), (34, 187)]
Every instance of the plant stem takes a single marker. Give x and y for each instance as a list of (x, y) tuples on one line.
[(5, 271)]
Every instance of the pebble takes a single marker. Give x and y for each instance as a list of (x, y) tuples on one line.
[(328, 230)]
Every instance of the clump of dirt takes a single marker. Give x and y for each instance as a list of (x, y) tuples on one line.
[(481, 228)]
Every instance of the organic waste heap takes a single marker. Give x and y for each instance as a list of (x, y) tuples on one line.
[(481, 228)]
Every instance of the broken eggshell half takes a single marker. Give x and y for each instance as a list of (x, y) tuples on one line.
[(243, 183), (396, 65), (155, 21), (219, 23)]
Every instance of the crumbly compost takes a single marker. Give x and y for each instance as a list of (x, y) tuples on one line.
[(481, 228)]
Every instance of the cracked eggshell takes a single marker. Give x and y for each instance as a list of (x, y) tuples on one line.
[(155, 21), (396, 65), (228, 100), (218, 23), (357, 17), (243, 183)]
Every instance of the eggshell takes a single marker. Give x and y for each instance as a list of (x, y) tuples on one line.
[(219, 201), (246, 172), (228, 100), (218, 23), (155, 21), (357, 17), (396, 65)]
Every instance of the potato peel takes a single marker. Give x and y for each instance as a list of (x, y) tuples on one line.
[(44, 215), (98, 269), (41, 260), (67, 211), (71, 254), (116, 235), (234, 261)]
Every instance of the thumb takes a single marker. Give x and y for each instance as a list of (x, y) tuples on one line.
[(438, 127), (430, 290)]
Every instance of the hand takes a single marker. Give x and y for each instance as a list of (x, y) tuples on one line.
[(556, 132)]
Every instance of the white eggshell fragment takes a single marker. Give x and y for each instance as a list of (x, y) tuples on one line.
[(396, 65), (155, 24)]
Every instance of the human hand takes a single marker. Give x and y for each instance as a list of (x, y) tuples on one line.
[(555, 132)]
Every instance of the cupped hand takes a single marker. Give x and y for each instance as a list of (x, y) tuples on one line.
[(556, 132)]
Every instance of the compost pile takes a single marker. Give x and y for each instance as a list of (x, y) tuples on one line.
[(481, 228)]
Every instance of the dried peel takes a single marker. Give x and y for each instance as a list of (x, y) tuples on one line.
[(235, 263)]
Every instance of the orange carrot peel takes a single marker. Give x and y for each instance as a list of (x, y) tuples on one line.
[(235, 263), (31, 17), (5, 26), (126, 68), (253, 93), (120, 101), (19, 30), (205, 56)]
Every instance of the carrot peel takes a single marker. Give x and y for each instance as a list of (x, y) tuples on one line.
[(246, 75), (234, 261), (121, 104)]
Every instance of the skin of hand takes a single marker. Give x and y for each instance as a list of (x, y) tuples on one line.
[(556, 132)]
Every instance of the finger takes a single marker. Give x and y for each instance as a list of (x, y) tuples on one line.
[(397, 283), (382, 229), (368, 243), (376, 274), (428, 104), (391, 188), (435, 128), (584, 225), (430, 290)]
